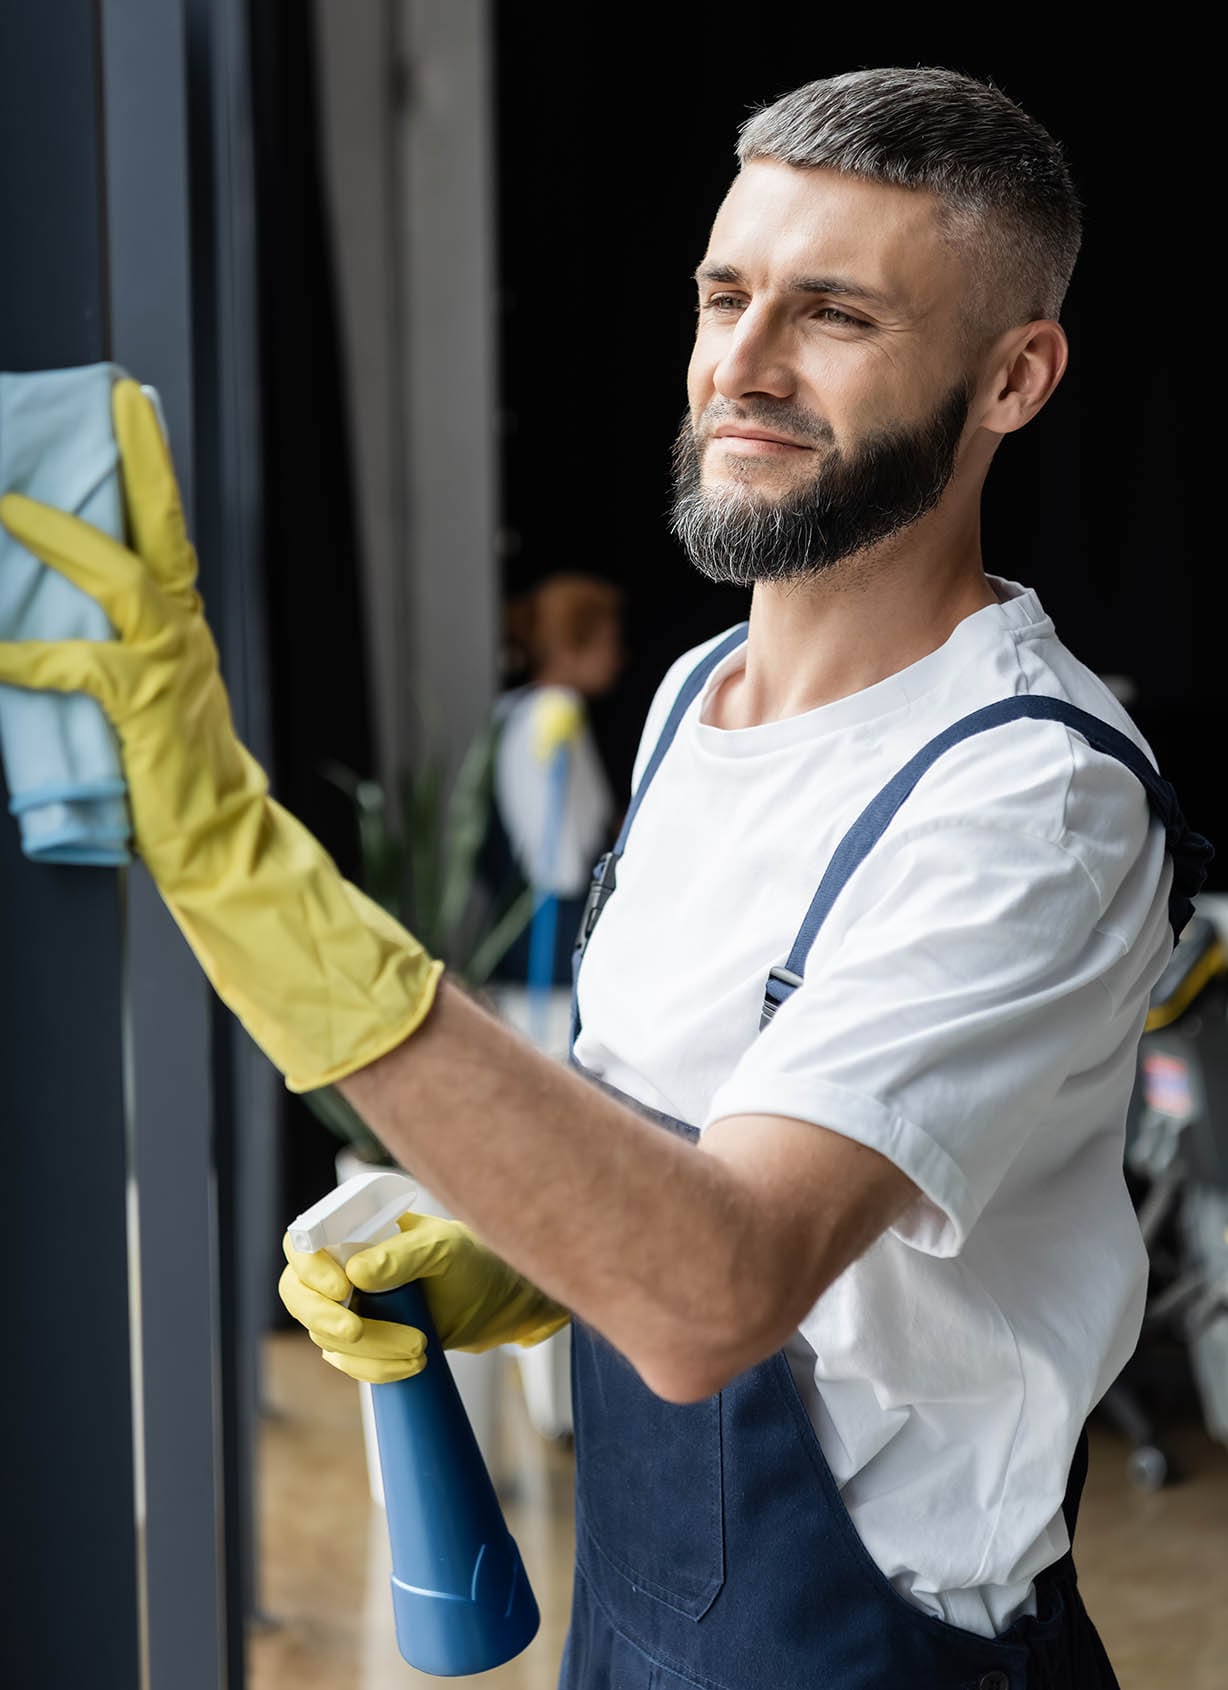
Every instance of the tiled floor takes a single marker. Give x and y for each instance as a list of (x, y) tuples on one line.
[(1154, 1568)]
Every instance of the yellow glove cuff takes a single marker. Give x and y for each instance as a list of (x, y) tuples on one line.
[(321, 976)]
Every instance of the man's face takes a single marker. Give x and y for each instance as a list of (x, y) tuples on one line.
[(828, 386)]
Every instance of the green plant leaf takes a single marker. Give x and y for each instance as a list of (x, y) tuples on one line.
[(468, 816), (340, 1117), (343, 778), (501, 937), (422, 829), (424, 874), (383, 855)]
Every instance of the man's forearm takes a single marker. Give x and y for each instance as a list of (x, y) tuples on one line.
[(627, 1225)]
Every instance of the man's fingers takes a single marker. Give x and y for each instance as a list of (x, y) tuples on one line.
[(317, 1313), (60, 666), (426, 1246), (378, 1341), (374, 1372), (151, 492), (334, 1327), (100, 566), (317, 1269)]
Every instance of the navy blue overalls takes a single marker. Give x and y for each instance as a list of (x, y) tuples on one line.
[(713, 1547)]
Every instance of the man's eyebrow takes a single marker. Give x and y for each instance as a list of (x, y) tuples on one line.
[(731, 276)]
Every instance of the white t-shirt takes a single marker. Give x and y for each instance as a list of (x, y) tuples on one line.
[(971, 1009), (561, 862)]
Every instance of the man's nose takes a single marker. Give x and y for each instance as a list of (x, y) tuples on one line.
[(756, 359)]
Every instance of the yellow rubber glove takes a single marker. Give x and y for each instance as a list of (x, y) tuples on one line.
[(323, 979), (476, 1300)]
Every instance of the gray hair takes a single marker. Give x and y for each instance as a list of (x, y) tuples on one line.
[(1000, 175)]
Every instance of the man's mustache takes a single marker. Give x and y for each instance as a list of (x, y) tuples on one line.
[(800, 424)]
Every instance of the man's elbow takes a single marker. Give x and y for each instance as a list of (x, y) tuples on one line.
[(684, 1378), (701, 1360), (715, 1327)]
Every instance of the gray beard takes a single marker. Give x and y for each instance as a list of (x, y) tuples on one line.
[(858, 499)]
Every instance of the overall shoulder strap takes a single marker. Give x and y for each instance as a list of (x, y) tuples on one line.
[(691, 687), (605, 871), (1189, 850)]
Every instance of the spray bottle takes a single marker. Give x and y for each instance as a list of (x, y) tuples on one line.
[(460, 1596)]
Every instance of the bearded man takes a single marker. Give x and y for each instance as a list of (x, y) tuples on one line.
[(832, 1189)]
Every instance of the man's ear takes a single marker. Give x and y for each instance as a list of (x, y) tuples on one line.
[(1023, 369)]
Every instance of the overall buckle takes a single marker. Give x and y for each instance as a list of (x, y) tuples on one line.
[(600, 887), (773, 995)]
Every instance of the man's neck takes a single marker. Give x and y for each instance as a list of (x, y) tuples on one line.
[(811, 644)]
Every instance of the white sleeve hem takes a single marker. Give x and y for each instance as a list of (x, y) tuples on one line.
[(939, 1222)]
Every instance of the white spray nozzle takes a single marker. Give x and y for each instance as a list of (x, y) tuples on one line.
[(362, 1211)]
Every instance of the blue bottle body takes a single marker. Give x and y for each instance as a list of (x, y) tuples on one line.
[(461, 1598)]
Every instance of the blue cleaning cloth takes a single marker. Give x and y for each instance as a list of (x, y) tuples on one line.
[(61, 757)]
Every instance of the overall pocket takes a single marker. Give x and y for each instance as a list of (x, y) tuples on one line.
[(648, 1479)]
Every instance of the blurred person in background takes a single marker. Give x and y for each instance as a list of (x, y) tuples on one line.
[(562, 645)]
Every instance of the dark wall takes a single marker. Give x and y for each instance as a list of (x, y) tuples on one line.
[(318, 694), (615, 149), (104, 1046)]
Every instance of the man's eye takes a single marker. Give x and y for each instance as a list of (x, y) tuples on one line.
[(721, 303), (833, 314)]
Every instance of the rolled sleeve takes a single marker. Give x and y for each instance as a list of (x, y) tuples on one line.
[(959, 982)]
